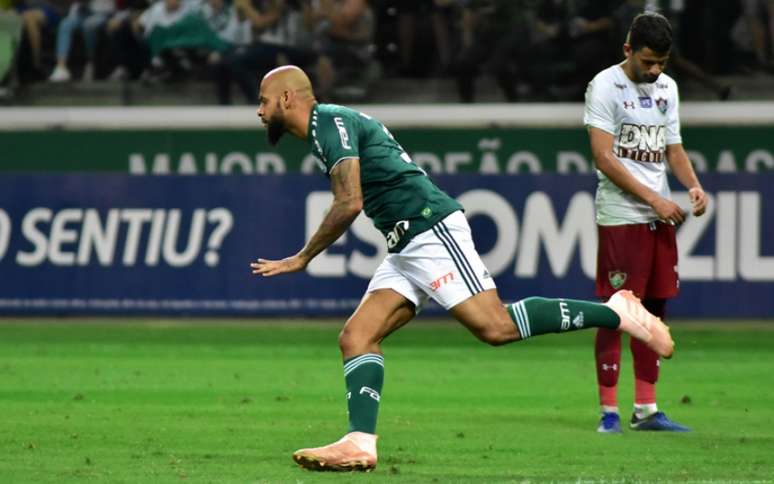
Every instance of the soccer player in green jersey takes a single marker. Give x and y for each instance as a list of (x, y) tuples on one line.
[(430, 255)]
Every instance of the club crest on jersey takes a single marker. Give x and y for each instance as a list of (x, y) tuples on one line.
[(628, 104), (662, 105), (616, 278), (646, 102)]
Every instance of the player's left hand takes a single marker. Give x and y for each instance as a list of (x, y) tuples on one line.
[(699, 200), (267, 268)]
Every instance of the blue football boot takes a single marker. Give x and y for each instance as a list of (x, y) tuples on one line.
[(610, 423), (657, 421)]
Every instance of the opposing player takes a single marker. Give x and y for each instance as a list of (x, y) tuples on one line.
[(633, 122), (430, 254)]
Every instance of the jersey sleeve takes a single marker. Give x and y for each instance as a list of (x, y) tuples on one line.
[(673, 136), (599, 111), (335, 140)]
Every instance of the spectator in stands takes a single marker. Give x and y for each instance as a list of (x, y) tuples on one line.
[(591, 28), (37, 17), (128, 49), (89, 19), (10, 38), (442, 14), (343, 37), (495, 36), (174, 31), (278, 38), (755, 13), (221, 16)]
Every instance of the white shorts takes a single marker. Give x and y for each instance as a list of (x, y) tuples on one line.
[(441, 263)]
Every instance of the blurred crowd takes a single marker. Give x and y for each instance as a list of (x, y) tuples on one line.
[(535, 49)]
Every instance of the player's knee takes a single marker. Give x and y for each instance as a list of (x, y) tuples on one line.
[(353, 342)]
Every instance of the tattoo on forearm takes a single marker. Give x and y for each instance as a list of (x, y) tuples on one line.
[(345, 185)]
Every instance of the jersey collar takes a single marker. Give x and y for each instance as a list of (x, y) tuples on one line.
[(312, 126)]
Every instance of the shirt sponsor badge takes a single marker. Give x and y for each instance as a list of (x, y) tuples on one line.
[(646, 102)]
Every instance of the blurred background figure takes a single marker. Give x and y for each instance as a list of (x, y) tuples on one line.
[(273, 34), (412, 22), (342, 35), (758, 18), (380, 50), (10, 38), (495, 38), (39, 20), (89, 19), (128, 50)]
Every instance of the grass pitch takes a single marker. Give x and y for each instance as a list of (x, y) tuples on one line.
[(222, 401)]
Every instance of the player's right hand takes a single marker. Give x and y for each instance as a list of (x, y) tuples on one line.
[(267, 268), (668, 211)]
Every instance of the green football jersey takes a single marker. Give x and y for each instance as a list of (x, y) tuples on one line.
[(397, 195)]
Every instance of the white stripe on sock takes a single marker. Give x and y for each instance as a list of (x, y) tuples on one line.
[(362, 360), (525, 319), (357, 359)]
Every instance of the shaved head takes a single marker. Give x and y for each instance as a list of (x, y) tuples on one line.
[(287, 78), (286, 98)]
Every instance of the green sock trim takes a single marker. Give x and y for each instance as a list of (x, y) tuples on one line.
[(364, 377), (538, 315)]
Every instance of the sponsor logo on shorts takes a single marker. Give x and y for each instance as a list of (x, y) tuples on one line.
[(606, 367), (616, 278), (427, 212), (436, 284)]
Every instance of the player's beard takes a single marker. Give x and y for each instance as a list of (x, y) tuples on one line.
[(643, 76), (275, 128)]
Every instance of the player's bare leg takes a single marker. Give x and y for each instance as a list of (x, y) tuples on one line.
[(380, 313), (485, 316)]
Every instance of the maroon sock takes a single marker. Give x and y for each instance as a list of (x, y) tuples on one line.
[(646, 361), (607, 351)]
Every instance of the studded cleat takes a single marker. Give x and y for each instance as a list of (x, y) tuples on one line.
[(344, 455), (610, 423), (638, 322), (657, 422)]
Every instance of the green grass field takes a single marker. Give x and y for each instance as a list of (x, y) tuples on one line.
[(223, 401)]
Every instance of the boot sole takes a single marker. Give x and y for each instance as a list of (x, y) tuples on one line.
[(314, 464)]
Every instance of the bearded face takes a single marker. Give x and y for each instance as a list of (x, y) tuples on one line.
[(275, 125)]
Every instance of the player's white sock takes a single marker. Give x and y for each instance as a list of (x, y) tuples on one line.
[(643, 410), (609, 409)]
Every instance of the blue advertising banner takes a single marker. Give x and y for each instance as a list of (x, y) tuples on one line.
[(84, 244)]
